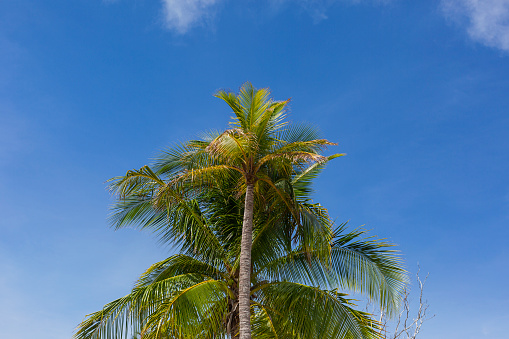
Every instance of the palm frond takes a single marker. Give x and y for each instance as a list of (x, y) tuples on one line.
[(302, 180), (187, 309), (296, 132), (285, 161), (370, 266), (143, 180), (176, 265), (232, 146), (310, 312), (137, 211), (131, 312)]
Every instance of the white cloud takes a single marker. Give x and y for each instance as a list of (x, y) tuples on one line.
[(181, 15), (487, 21)]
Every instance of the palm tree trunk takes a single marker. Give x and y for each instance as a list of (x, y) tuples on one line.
[(245, 265)]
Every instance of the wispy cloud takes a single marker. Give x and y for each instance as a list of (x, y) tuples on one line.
[(181, 15), (486, 21), (317, 9)]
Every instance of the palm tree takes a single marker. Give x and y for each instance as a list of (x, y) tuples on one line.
[(256, 146), (295, 279), (261, 158)]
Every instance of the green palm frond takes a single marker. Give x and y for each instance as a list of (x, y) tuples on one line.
[(302, 180), (192, 233), (232, 145), (172, 160), (263, 323), (296, 132), (139, 181), (179, 264), (186, 310), (130, 313), (284, 161), (309, 312), (137, 211), (255, 111), (370, 266)]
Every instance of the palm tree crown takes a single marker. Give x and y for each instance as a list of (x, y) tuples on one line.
[(226, 282)]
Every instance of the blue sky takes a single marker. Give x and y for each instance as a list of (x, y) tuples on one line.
[(415, 92)]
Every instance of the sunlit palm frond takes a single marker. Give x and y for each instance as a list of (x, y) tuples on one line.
[(285, 161), (171, 160), (302, 179), (137, 211), (369, 265), (142, 181), (310, 312), (233, 146), (309, 146), (130, 313), (187, 309), (231, 99), (314, 231), (262, 323), (254, 103), (176, 265), (188, 229), (195, 180), (297, 132), (366, 265)]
